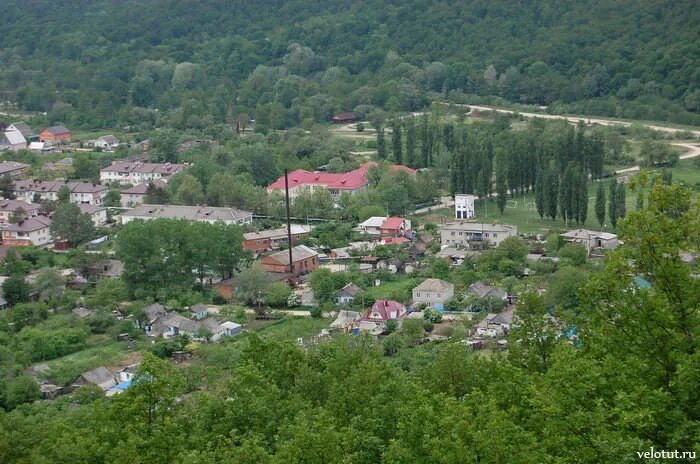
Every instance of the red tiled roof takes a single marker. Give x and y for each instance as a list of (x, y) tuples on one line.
[(351, 180), (395, 240), (392, 223), (387, 309)]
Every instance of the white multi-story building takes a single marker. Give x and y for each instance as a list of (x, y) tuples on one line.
[(461, 233), (80, 192), (136, 172), (464, 206)]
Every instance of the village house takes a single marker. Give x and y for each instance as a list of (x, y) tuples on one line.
[(31, 231), (26, 131), (202, 311), (137, 172), (352, 182), (98, 214), (462, 233), (483, 290), (395, 227), (434, 293), (171, 324), (12, 140), (107, 269), (375, 318), (494, 325), (346, 321), (136, 194), (153, 313), (100, 376), (55, 134), (13, 169), (8, 208), (80, 192), (591, 239), (304, 260), (273, 239), (347, 294), (106, 142), (208, 214)]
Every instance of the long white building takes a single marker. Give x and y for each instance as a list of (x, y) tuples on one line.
[(190, 213), (137, 172)]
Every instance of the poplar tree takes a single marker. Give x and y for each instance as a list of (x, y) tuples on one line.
[(600, 204), (396, 141), (411, 156), (621, 201), (612, 204), (540, 191), (381, 143)]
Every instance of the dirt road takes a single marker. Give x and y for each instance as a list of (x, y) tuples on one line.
[(586, 120)]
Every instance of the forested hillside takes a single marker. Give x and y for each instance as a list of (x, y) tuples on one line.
[(97, 63)]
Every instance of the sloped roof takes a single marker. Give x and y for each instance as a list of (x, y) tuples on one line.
[(141, 189), (190, 213), (345, 318), (280, 232), (28, 225), (392, 223), (11, 166), (24, 128), (15, 137), (299, 252), (434, 285), (386, 309), (100, 376), (350, 180), (482, 290), (154, 311), (145, 168), (14, 205), (349, 290), (109, 139), (57, 130)]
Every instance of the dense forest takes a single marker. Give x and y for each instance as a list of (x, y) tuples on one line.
[(184, 64)]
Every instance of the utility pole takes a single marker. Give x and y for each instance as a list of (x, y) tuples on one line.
[(289, 226)]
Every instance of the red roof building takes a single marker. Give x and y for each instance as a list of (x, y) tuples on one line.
[(384, 310), (393, 227), (337, 183)]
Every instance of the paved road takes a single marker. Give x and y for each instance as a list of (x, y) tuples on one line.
[(577, 119)]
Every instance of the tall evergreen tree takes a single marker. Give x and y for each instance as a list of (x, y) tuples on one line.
[(501, 186), (381, 143), (600, 204), (621, 201), (411, 155), (612, 204), (551, 191), (396, 145), (425, 141), (582, 197), (540, 191)]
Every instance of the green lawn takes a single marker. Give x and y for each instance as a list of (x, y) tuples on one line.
[(521, 212), (399, 290), (105, 352)]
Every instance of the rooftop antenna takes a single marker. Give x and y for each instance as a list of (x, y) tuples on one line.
[(289, 226)]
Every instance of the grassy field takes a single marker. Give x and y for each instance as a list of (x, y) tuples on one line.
[(522, 213), (102, 352), (396, 290)]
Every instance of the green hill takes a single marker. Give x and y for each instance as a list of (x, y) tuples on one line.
[(98, 63)]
